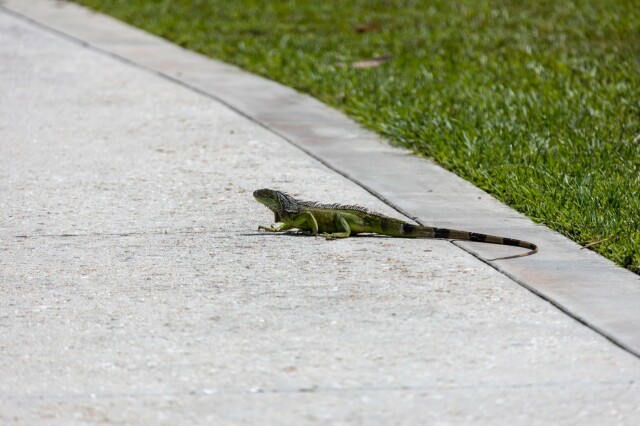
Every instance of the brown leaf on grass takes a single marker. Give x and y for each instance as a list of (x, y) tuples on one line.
[(371, 63), (368, 27)]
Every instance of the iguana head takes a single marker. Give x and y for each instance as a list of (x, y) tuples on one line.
[(278, 202)]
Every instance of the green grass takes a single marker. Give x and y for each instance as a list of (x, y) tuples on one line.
[(538, 102)]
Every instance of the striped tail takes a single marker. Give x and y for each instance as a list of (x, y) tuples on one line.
[(417, 231)]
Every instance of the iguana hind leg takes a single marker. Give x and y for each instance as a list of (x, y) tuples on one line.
[(341, 223)]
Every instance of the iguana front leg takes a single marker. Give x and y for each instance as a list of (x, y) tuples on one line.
[(341, 223), (271, 228), (306, 218), (302, 221)]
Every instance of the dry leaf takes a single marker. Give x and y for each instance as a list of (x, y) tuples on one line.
[(368, 27), (371, 63)]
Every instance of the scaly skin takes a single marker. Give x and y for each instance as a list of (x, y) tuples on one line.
[(341, 221)]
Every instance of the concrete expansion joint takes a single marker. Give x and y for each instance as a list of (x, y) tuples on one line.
[(213, 234)]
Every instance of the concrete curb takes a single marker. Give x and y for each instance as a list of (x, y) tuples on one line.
[(581, 283)]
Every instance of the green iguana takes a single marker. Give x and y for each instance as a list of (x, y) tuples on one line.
[(341, 221)]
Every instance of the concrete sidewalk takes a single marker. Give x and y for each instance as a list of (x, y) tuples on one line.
[(135, 288)]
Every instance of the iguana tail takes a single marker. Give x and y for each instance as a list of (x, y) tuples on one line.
[(409, 230)]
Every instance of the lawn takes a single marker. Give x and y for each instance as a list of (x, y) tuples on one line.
[(537, 102)]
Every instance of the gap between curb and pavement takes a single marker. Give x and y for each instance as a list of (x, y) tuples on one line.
[(581, 283)]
